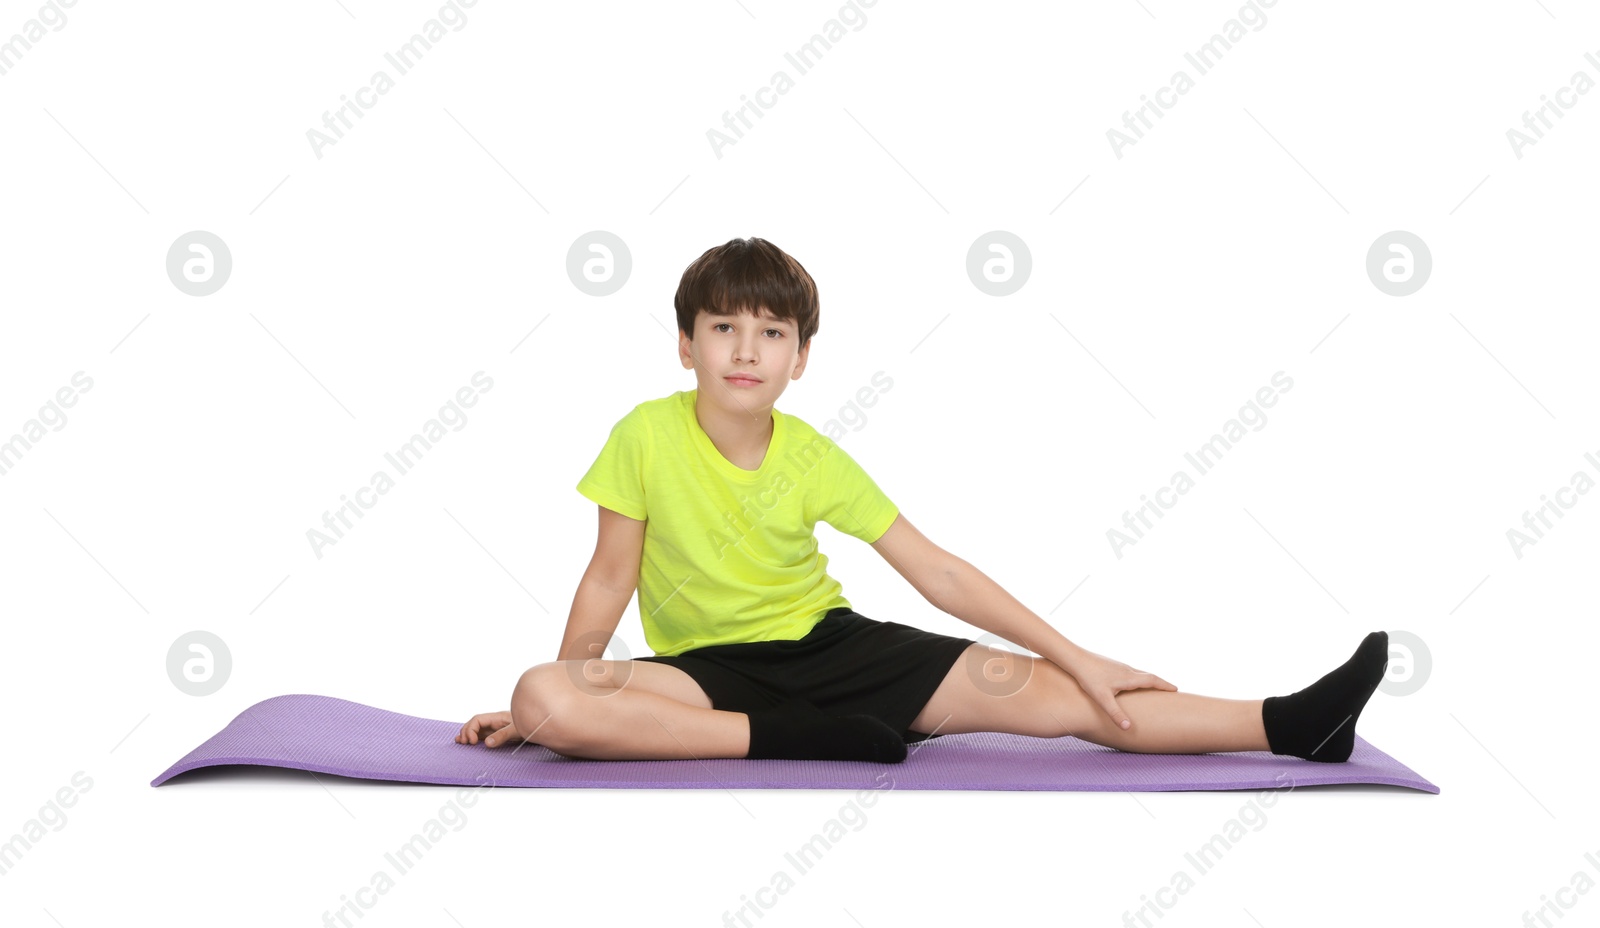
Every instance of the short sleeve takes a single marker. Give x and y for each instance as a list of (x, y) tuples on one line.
[(849, 499), (616, 478)]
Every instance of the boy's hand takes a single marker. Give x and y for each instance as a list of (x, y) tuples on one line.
[(496, 726), (1102, 678)]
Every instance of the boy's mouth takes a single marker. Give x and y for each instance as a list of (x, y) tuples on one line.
[(742, 379)]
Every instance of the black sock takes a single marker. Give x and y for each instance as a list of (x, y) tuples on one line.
[(796, 729), (1319, 722)]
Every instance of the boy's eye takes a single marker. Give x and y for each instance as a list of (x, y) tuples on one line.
[(719, 325)]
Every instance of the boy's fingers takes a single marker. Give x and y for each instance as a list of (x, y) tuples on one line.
[(477, 727), (1120, 718), (480, 725), (1147, 681)]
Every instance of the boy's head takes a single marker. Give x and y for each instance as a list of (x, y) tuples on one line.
[(745, 307)]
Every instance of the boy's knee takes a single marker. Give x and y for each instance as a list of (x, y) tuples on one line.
[(542, 704), (1048, 703)]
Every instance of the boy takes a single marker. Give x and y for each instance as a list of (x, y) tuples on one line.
[(708, 500)]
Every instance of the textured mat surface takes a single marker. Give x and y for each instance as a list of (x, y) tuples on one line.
[(324, 734)]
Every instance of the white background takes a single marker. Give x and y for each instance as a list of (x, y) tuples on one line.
[(368, 286)]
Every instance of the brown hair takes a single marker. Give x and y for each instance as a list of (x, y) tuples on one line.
[(743, 275)]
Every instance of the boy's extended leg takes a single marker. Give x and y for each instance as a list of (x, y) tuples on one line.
[(1048, 703), (1317, 722)]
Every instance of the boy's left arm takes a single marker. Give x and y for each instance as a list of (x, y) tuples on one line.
[(957, 588)]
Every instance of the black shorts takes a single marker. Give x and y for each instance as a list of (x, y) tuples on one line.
[(846, 664)]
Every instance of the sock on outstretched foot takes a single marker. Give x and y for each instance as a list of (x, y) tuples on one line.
[(796, 729), (1319, 722)]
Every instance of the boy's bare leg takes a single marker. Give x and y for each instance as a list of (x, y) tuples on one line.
[(1043, 700), (575, 718), (642, 710), (1177, 723), (1050, 704)]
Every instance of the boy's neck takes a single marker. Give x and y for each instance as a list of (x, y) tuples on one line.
[(740, 434)]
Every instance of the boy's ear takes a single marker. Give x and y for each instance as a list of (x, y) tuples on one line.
[(803, 356)]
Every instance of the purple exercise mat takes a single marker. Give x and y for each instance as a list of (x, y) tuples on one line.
[(324, 734)]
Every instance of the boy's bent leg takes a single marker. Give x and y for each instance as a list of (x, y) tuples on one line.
[(652, 676), (556, 705), (1047, 702)]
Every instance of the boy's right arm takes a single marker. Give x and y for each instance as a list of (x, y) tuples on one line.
[(606, 588)]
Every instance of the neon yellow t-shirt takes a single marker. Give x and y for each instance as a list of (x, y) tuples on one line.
[(730, 555)]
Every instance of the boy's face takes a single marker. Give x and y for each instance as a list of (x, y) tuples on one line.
[(763, 349)]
